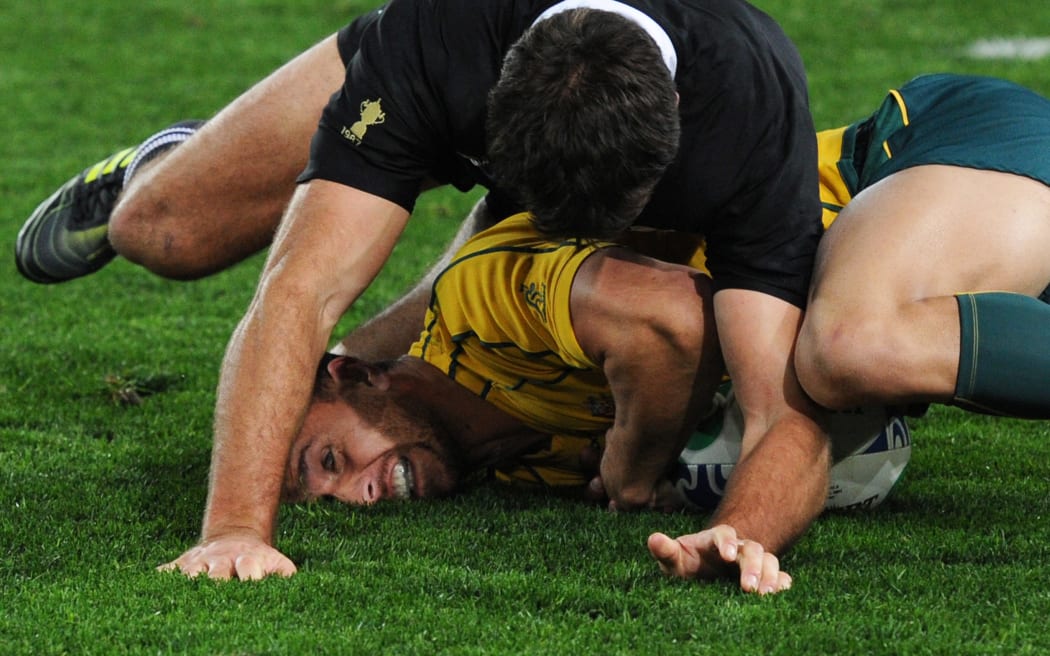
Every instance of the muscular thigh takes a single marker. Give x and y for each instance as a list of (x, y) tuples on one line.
[(219, 197), (934, 231), (264, 135)]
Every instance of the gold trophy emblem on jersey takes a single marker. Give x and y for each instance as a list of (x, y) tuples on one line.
[(371, 114), (536, 297)]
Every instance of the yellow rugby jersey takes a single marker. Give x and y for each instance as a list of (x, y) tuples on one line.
[(499, 324)]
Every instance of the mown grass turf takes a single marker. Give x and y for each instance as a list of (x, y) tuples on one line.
[(94, 492)]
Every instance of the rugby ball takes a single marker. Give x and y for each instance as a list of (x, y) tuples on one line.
[(872, 450)]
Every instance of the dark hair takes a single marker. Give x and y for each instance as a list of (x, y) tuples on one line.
[(583, 122)]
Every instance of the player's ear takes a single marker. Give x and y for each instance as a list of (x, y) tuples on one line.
[(351, 369)]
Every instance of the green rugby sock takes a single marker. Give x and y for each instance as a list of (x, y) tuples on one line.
[(1004, 359)]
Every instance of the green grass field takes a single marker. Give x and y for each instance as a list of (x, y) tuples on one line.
[(94, 492)]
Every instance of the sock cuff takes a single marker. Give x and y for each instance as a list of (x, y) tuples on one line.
[(158, 143), (966, 379), (1004, 364)]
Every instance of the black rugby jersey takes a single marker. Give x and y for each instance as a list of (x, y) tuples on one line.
[(413, 106)]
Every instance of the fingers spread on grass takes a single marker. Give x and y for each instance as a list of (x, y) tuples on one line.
[(674, 557), (250, 567), (220, 568), (750, 559), (760, 569), (717, 552)]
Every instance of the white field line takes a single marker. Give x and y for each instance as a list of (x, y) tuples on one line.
[(1026, 48)]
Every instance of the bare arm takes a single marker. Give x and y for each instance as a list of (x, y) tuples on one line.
[(649, 324), (331, 244), (390, 333), (779, 485)]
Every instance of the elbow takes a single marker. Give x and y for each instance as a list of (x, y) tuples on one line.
[(303, 298), (626, 488), (691, 336), (631, 497)]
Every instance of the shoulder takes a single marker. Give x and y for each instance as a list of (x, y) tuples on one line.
[(619, 296), (614, 274), (454, 25)]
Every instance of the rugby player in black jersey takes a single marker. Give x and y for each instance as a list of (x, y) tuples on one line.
[(687, 115)]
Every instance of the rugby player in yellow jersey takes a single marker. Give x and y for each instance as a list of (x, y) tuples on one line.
[(550, 333), (464, 403)]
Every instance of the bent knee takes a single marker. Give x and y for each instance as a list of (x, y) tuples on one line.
[(150, 238), (842, 363), (174, 244)]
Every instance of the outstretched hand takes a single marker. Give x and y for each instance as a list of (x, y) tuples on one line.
[(716, 552), (245, 558)]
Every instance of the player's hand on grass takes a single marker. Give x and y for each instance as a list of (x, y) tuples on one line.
[(717, 552), (244, 557)]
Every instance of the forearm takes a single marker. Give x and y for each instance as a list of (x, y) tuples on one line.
[(392, 332), (779, 488), (263, 391), (659, 351), (660, 393), (780, 482)]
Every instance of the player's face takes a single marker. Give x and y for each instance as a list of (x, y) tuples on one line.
[(339, 454)]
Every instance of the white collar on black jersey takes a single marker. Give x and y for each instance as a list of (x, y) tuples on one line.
[(651, 27)]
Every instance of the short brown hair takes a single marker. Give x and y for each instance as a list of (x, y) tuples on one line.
[(583, 123)]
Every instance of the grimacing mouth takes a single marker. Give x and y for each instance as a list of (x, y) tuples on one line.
[(403, 479)]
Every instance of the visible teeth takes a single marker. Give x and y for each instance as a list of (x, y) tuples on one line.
[(402, 476)]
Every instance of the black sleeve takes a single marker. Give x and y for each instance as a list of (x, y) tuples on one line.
[(377, 132)]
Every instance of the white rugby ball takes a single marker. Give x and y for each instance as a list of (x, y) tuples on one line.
[(872, 449)]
